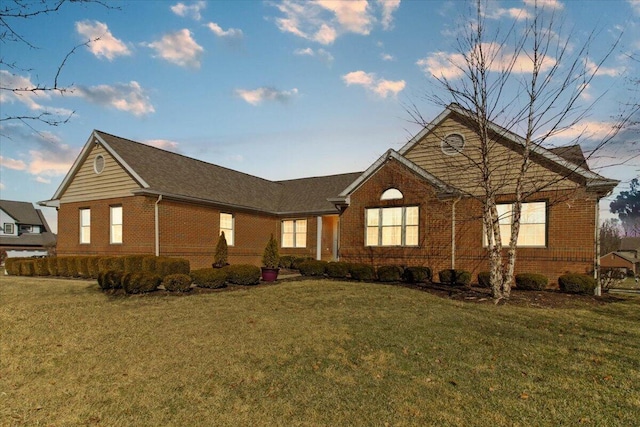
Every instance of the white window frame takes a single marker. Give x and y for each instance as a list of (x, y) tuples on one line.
[(85, 238), (505, 217), (229, 233), (9, 228), (376, 226), (299, 238), (116, 229)]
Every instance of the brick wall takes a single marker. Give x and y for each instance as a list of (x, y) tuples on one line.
[(570, 228), (186, 230)]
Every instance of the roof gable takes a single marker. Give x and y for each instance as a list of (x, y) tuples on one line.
[(21, 212), (569, 160)]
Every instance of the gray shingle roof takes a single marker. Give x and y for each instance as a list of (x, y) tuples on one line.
[(177, 175), (571, 153), (22, 212), (29, 239)]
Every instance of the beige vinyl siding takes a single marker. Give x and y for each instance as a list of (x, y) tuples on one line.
[(113, 182), (462, 169)]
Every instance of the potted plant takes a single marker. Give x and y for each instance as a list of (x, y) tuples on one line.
[(270, 261), (220, 257)]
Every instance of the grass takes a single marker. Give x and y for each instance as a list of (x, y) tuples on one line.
[(310, 353)]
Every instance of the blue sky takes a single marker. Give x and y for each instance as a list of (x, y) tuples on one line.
[(277, 89)]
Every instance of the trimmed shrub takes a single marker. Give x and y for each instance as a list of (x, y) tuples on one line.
[(110, 279), (177, 283), (27, 267), (389, 273), (82, 264), (72, 266), (52, 266), (295, 264), (337, 270), (417, 275), (484, 279), (313, 268), (243, 274), (136, 283), (12, 266), (63, 267), (111, 263), (454, 277), (531, 281), (40, 265), (93, 267), (133, 263), (286, 261), (166, 266), (212, 278), (149, 264), (362, 272), (577, 283)]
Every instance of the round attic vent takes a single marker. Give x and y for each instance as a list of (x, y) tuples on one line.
[(452, 144), (98, 164)]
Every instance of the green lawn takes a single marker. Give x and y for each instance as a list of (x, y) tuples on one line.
[(310, 353)]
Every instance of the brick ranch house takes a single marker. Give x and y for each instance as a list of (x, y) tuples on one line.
[(415, 206)]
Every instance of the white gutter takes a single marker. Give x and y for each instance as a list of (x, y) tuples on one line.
[(157, 225)]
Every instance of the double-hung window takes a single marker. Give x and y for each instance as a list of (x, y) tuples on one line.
[(85, 226), (116, 224), (397, 226), (226, 227), (294, 233), (533, 224)]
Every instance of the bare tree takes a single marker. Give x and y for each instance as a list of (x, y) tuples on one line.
[(12, 12), (609, 236), (529, 80)]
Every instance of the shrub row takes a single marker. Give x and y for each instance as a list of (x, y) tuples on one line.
[(364, 272), (214, 278), (570, 283), (91, 266), (577, 284)]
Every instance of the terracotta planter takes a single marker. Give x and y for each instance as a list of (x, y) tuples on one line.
[(270, 274)]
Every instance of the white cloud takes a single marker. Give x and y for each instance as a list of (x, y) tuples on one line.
[(321, 54), (192, 11), (592, 68), (14, 164), (386, 57), (587, 130), (513, 12), (635, 6), (381, 87), (43, 180), (2, 186), (25, 92), (164, 144), (388, 7), (233, 33), (257, 96), (451, 65), (323, 21), (179, 48), (547, 4), (129, 97), (103, 43)]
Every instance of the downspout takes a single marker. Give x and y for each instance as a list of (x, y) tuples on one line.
[(319, 238), (157, 225), (453, 233)]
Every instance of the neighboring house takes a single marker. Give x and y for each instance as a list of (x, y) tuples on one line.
[(416, 206), (24, 232), (627, 258)]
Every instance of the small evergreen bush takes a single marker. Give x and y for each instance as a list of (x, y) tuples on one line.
[(72, 266), (286, 261), (212, 278), (417, 275), (111, 263), (484, 279), (243, 274), (577, 283), (221, 255), (110, 279), (313, 268), (133, 263), (362, 272), (136, 283), (454, 277), (93, 267), (337, 269), (389, 273), (177, 283), (82, 264), (166, 266), (27, 267), (12, 266), (531, 281), (295, 264), (52, 266), (271, 257)]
